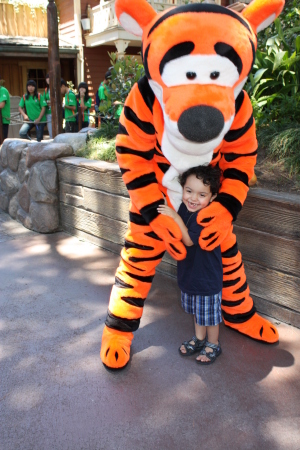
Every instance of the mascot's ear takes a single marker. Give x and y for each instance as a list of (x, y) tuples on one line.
[(261, 13), (134, 15)]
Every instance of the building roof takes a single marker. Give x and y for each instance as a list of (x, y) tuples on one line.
[(33, 45)]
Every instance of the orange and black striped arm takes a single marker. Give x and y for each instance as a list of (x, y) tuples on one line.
[(238, 157)]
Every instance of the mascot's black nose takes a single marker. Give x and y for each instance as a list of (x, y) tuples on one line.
[(201, 123)]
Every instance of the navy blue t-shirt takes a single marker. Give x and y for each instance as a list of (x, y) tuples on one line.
[(201, 272)]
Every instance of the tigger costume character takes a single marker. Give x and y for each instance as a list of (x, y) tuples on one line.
[(188, 110)]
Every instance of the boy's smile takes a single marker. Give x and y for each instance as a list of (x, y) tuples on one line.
[(196, 194)]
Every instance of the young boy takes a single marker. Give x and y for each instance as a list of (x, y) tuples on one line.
[(200, 274)]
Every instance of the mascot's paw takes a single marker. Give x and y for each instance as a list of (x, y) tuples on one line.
[(217, 223), (257, 328), (168, 230), (115, 348)]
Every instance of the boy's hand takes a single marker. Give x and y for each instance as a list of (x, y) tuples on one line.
[(167, 211), (217, 223)]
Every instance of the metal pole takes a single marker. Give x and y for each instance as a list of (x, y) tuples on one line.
[(54, 68)]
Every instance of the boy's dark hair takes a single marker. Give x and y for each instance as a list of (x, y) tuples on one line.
[(63, 82), (31, 83), (107, 75), (209, 175)]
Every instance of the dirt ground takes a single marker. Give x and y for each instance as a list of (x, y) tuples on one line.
[(273, 175)]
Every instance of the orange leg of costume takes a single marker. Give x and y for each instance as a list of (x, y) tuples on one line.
[(143, 251), (238, 309)]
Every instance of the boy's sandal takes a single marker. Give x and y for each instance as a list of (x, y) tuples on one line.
[(192, 348), (210, 355)]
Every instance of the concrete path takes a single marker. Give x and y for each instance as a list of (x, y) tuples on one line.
[(56, 395)]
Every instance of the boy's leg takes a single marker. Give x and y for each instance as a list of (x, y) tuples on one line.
[(200, 333), (213, 338), (24, 130)]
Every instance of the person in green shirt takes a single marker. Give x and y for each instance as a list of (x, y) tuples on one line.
[(102, 91), (32, 107), (85, 101), (70, 107), (5, 110), (46, 96)]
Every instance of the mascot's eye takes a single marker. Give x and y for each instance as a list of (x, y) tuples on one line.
[(214, 75), (191, 75)]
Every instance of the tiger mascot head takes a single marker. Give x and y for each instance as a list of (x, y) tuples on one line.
[(197, 58)]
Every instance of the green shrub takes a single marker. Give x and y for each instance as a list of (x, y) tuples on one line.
[(99, 148)]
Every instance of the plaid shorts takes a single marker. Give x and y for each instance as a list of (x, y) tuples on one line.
[(206, 308)]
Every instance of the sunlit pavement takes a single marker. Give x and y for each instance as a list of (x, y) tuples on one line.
[(56, 394)]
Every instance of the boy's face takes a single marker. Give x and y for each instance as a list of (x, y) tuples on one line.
[(196, 195)]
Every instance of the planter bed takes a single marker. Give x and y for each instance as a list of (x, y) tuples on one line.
[(94, 205)]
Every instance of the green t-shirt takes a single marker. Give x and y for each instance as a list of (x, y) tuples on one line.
[(33, 107), (88, 104), (70, 100), (46, 96), (101, 91), (5, 112)]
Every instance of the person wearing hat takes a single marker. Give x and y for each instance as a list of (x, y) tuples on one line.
[(46, 96), (85, 101), (5, 110), (32, 107)]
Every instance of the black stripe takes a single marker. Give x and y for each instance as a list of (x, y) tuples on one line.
[(232, 304), (174, 248), (133, 267), (146, 92), (235, 174), (239, 318), (134, 301), (234, 135), (137, 219), (211, 243), (199, 8), (117, 323), (128, 151), (122, 130), (142, 181), (178, 50), (153, 258), (153, 235), (209, 236), (253, 55), (145, 62), (229, 157), (147, 279), (163, 167), (232, 271), (232, 251), (232, 204), (230, 283), (215, 155), (146, 127), (158, 145), (129, 244), (150, 212), (239, 101), (124, 170), (241, 289), (121, 284), (228, 52)]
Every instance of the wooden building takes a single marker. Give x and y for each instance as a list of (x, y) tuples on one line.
[(84, 44)]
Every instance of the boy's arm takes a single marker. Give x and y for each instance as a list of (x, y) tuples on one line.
[(167, 211)]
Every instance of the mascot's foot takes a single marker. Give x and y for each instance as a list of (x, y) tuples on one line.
[(115, 348), (257, 328)]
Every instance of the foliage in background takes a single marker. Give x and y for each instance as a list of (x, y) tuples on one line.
[(274, 87), (31, 3), (124, 73)]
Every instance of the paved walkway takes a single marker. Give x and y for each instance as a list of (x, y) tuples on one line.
[(56, 395)]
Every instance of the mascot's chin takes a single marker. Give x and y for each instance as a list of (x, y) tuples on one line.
[(188, 110)]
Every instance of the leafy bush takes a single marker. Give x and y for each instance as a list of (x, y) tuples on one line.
[(274, 87), (99, 148)]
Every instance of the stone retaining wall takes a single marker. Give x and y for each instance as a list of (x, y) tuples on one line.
[(94, 205)]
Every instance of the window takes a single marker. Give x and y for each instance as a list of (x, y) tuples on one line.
[(38, 75)]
